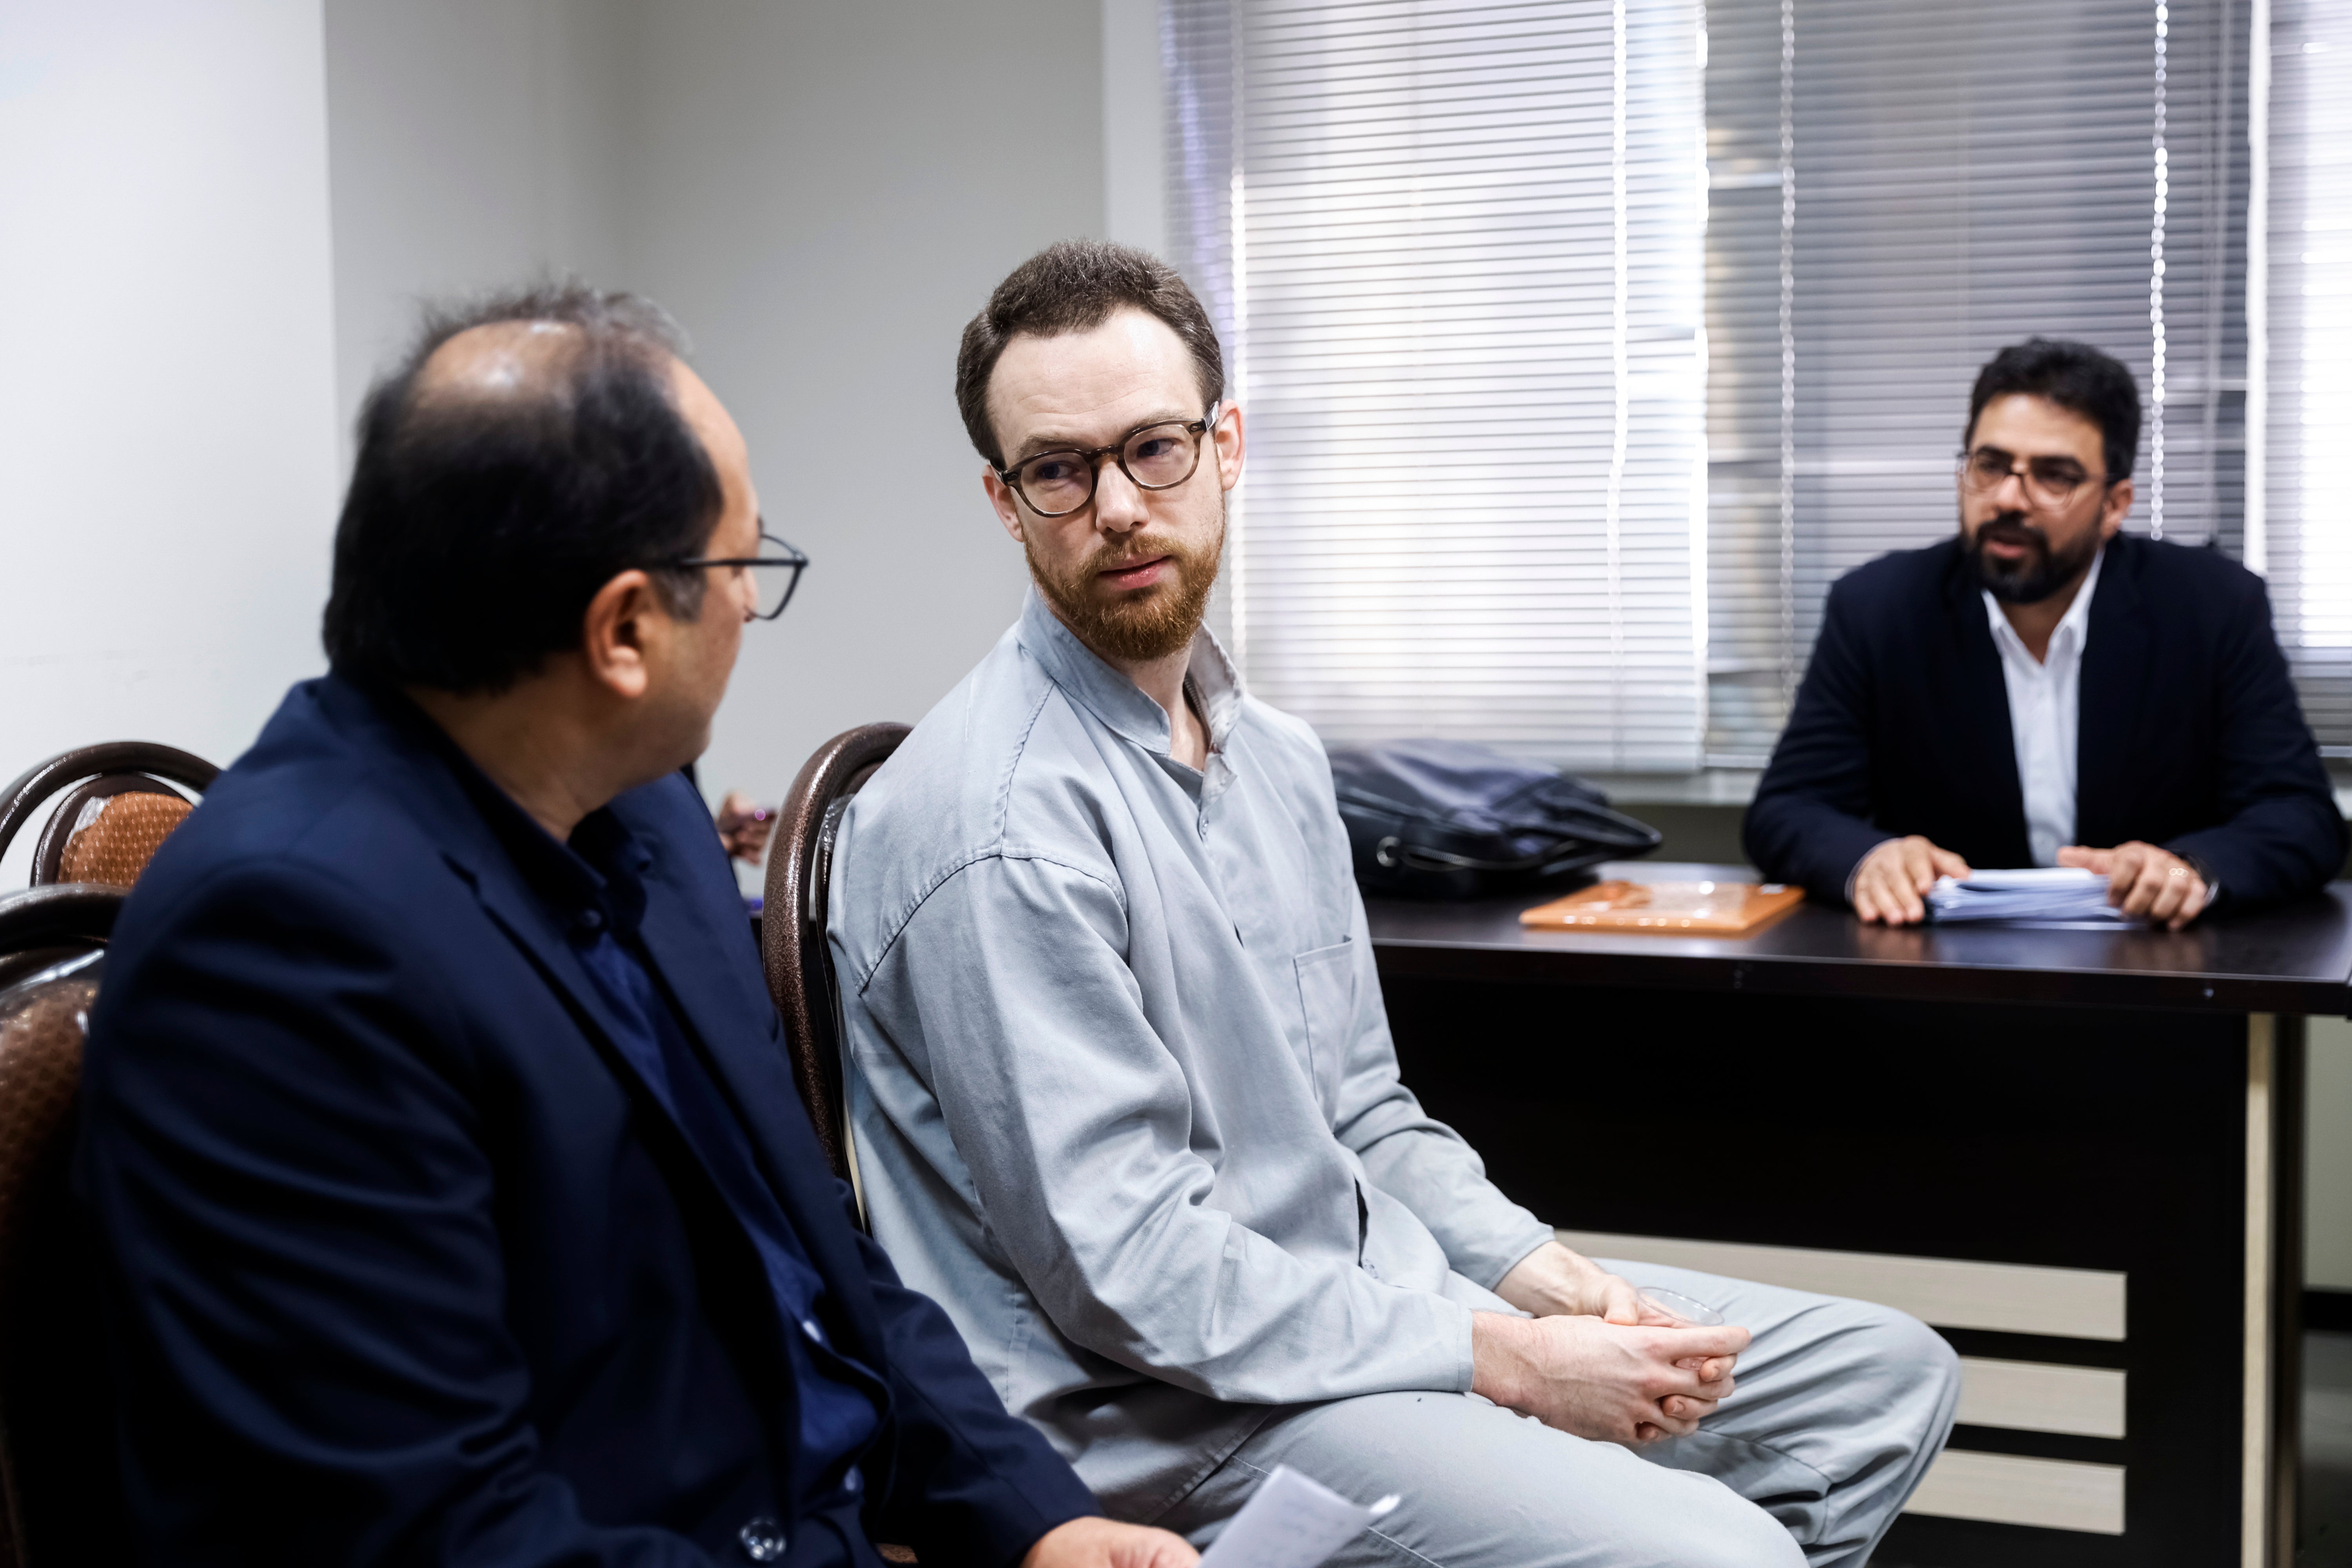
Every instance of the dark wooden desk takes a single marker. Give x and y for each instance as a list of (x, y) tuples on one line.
[(2077, 1153)]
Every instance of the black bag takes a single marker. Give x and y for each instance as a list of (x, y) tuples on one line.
[(1444, 819)]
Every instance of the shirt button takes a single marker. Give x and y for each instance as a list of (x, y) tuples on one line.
[(762, 1540), (591, 920)]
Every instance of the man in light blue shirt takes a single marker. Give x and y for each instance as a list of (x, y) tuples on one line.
[(1124, 1096)]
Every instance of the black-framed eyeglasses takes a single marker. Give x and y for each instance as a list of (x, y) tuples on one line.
[(776, 587), (1156, 457), (2051, 484)]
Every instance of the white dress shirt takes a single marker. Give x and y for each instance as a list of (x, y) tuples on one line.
[(2044, 716)]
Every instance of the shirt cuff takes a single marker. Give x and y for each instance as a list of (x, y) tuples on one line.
[(1851, 876)]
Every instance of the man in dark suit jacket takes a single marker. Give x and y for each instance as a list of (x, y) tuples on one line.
[(2043, 689), (455, 1201)]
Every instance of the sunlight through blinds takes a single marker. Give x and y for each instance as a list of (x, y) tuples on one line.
[(2306, 522), (1455, 252)]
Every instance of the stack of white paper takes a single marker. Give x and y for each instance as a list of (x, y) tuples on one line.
[(1290, 1522), (2068, 893)]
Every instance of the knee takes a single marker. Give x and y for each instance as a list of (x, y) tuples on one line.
[(1917, 1365), (1736, 1533)]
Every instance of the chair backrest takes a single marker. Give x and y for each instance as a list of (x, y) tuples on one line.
[(792, 915), (119, 807), (59, 1487)]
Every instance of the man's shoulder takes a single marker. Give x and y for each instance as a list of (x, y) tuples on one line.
[(1002, 757), (1898, 581), (2170, 573), (320, 815)]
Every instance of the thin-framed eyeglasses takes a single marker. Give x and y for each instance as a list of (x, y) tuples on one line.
[(782, 572), (2051, 484), (1155, 457)]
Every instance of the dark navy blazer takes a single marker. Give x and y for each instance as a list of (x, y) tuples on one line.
[(402, 1266), (2189, 737)]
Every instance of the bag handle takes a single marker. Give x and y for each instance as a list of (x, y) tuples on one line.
[(1394, 852)]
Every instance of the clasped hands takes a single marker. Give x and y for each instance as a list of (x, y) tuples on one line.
[(2143, 881), (1596, 1360)]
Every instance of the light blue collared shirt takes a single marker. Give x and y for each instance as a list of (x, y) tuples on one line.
[(1121, 1079)]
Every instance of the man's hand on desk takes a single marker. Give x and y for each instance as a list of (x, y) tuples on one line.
[(1892, 879), (1105, 1543), (1610, 1381), (2143, 881)]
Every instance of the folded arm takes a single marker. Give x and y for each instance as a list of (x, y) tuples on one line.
[(1809, 822), (1416, 1158), (2281, 835)]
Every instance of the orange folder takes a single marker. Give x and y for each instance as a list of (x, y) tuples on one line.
[(1714, 909)]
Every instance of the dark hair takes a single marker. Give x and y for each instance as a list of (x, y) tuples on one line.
[(480, 525), (1072, 286), (2072, 375)]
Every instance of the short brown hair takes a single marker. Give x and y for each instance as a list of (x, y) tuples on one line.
[(1072, 286)]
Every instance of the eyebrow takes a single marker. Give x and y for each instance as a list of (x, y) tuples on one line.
[(1040, 444)]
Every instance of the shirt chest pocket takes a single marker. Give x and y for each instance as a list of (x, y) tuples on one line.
[(1327, 992)]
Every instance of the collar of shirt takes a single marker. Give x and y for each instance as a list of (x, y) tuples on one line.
[(595, 882), (1118, 702), (2067, 642)]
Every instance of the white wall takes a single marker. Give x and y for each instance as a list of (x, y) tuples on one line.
[(167, 447)]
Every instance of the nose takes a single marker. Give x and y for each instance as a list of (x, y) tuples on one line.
[(2013, 484), (1121, 506)]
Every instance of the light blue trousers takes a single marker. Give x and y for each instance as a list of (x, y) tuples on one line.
[(1840, 1407)]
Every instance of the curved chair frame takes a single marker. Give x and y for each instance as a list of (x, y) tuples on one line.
[(111, 767), (39, 926), (793, 950)]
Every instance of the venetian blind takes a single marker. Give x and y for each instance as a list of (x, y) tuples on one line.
[(1899, 190), (1453, 250), (2299, 532)]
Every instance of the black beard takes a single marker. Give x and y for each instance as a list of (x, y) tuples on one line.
[(2036, 577)]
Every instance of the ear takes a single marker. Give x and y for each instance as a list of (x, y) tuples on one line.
[(2119, 502), (1007, 504), (1229, 437), (617, 634)]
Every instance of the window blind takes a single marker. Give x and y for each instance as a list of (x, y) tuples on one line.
[(1896, 193), (1454, 254), (2299, 533)]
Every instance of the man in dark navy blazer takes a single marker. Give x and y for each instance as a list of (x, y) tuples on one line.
[(455, 1201), (2044, 689)]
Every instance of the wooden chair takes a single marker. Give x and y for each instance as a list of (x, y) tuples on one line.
[(59, 1488), (792, 921), (118, 809)]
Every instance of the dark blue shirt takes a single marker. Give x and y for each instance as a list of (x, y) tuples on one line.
[(594, 885)]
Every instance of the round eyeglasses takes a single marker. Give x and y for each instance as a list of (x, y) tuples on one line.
[(783, 564), (1153, 457), (2051, 484)]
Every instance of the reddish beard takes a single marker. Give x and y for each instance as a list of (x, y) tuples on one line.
[(1138, 623)]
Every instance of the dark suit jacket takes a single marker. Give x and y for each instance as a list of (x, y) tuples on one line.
[(2189, 733), (402, 1264)]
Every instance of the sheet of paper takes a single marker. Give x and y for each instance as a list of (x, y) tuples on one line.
[(1290, 1522), (2045, 895)]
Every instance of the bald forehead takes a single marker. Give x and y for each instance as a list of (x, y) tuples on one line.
[(502, 360)]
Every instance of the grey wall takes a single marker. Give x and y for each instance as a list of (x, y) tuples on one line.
[(472, 143), (822, 194), (825, 194)]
